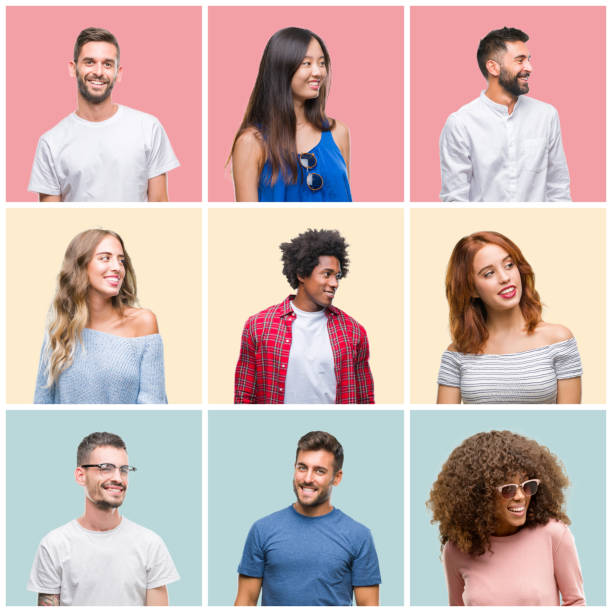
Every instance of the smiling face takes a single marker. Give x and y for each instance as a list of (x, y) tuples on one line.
[(104, 491), (310, 75), (317, 291), (515, 68), (511, 514), (313, 480), (106, 270), (497, 281), (96, 71)]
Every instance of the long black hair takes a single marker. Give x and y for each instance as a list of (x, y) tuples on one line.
[(271, 111)]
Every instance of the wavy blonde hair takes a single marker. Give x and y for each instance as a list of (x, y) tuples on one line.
[(69, 311)]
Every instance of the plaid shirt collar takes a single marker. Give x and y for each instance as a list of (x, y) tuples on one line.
[(285, 308)]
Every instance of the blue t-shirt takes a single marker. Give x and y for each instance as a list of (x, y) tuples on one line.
[(309, 561)]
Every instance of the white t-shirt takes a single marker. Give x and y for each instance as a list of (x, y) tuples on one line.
[(311, 378), (102, 161), (111, 568)]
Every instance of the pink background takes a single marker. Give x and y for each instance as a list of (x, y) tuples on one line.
[(162, 75), (366, 45), (567, 45)]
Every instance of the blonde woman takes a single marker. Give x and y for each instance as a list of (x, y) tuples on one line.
[(99, 347)]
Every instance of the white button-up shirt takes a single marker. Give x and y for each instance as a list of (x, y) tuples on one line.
[(487, 155)]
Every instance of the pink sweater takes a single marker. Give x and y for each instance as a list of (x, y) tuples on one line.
[(528, 568)]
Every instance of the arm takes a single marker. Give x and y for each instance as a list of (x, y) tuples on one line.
[(567, 570), (448, 395), (557, 173), (44, 197), (245, 379), (248, 158), (569, 391), (42, 393), (342, 138), (455, 163), (454, 579), (366, 595), (363, 374), (152, 374), (45, 599), (248, 590), (157, 190), (157, 596)]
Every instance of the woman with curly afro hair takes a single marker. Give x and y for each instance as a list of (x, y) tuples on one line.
[(499, 503), (502, 352), (304, 350)]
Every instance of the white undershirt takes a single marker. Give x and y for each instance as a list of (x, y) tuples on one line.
[(310, 372)]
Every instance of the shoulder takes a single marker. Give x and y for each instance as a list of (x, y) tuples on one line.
[(131, 114), (136, 531), (266, 313), (141, 321), (538, 105), (250, 140), (451, 348), (551, 333), (59, 131), (554, 529), (274, 520), (457, 118), (58, 536), (340, 128), (347, 320), (355, 527)]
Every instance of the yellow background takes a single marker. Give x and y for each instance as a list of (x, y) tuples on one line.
[(566, 249), (166, 251), (245, 276)]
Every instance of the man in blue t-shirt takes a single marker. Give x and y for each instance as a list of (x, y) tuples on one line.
[(310, 554)]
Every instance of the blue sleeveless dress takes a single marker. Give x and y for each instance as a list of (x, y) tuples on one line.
[(330, 165)]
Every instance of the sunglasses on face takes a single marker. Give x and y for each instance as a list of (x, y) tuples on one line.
[(529, 487), (313, 180)]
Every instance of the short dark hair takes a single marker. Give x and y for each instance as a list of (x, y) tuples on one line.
[(494, 42), (94, 35), (321, 440), (94, 440), (301, 254)]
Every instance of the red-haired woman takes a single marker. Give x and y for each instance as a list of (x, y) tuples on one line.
[(502, 352)]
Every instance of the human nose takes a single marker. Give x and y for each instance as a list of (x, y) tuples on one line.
[(316, 70), (503, 276), (333, 281), (519, 494), (528, 66)]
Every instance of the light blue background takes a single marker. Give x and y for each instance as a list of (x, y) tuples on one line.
[(251, 457), (165, 494), (578, 440)]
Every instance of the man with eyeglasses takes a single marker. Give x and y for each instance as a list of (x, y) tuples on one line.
[(101, 558), (504, 146), (304, 350), (310, 554)]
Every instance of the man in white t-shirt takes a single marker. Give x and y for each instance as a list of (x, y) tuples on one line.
[(102, 558), (102, 152)]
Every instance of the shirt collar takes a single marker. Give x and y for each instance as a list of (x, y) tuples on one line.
[(287, 310), (499, 109)]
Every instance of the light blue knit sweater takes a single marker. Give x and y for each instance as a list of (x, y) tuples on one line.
[(107, 369)]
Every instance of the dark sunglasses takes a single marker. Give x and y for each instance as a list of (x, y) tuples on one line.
[(529, 487), (313, 180)]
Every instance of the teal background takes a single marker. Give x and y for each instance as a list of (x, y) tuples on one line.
[(164, 495), (250, 463), (578, 440)]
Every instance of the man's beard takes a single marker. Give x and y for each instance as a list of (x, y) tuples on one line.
[(93, 98), (511, 83), (321, 497)]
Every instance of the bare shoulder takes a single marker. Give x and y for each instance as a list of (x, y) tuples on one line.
[(452, 348), (340, 129), (141, 321), (552, 333), (249, 142)]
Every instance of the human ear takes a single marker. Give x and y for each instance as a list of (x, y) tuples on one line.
[(493, 67), (79, 476), (72, 69), (337, 478)]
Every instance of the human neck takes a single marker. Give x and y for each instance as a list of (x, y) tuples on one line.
[(303, 302), (300, 114), (101, 310), (95, 112), (318, 510), (99, 519), (505, 322), (500, 95)]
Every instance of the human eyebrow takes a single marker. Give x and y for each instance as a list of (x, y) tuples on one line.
[(121, 255)]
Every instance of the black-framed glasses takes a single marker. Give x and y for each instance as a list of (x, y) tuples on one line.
[(109, 468), (313, 180), (529, 487)]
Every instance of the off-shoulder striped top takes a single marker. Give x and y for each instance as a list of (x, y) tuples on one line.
[(528, 377)]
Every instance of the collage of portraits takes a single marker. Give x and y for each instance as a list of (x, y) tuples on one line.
[(186, 190)]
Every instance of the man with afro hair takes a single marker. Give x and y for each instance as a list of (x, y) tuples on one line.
[(304, 350)]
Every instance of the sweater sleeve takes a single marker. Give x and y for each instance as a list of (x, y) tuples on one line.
[(152, 378), (454, 579), (42, 393), (567, 570)]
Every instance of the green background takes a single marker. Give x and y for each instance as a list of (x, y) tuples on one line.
[(250, 464), (578, 440), (164, 495)]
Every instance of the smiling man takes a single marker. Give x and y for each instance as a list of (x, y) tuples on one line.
[(504, 146), (310, 554), (102, 558), (304, 350), (103, 152)]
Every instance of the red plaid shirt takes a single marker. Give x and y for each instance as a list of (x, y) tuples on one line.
[(264, 355)]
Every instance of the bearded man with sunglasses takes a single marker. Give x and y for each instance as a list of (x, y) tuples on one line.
[(101, 558), (504, 146)]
